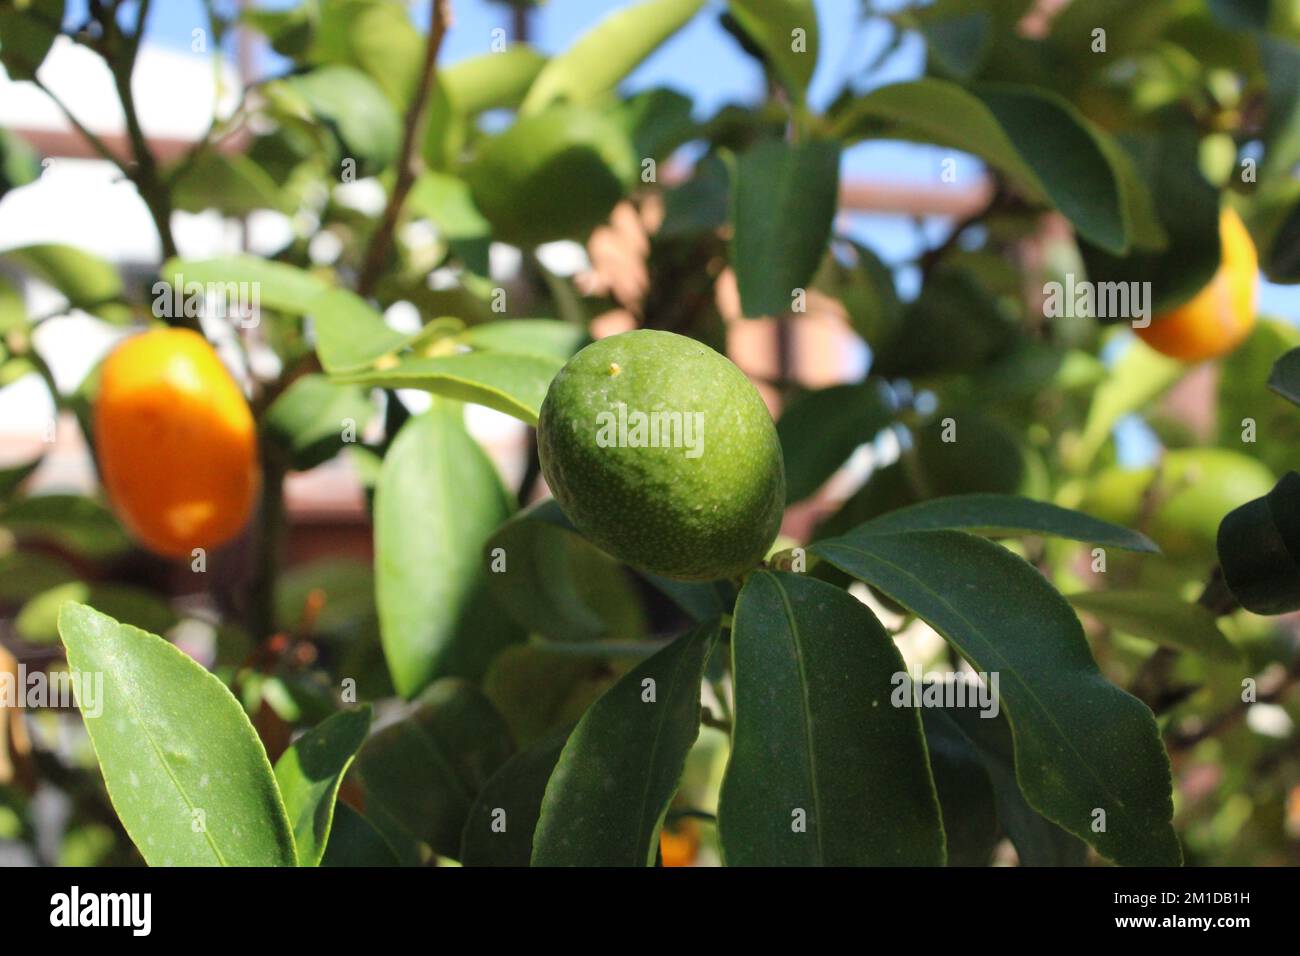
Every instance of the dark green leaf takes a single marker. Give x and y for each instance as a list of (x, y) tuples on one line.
[(437, 502), (314, 417), (184, 768), (819, 430), (772, 26), (814, 728), (1083, 746), (38, 621), (499, 831), (355, 842), (421, 774), (970, 817), (1285, 377), (357, 110), (618, 771), (309, 774), (1002, 516), (27, 32), (1259, 549), (80, 524), (782, 205)]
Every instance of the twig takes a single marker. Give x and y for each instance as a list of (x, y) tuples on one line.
[(383, 236)]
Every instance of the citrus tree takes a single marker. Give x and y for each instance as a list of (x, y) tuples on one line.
[(640, 669)]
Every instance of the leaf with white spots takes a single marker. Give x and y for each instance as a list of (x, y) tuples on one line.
[(184, 769)]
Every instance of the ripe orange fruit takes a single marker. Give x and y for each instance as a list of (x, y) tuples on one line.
[(679, 847), (176, 442), (1221, 315)]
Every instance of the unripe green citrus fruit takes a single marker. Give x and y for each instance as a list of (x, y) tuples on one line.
[(661, 452)]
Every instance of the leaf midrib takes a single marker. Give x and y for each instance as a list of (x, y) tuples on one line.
[(1087, 766)]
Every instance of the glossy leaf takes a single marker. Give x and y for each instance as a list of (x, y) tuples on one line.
[(1160, 617), (774, 26), (184, 769), (500, 827), (437, 501), (309, 774), (313, 418), (1259, 549), (1035, 138), (1003, 516), (607, 52), (820, 430), (824, 770), (618, 771), (1285, 377), (282, 287), (548, 337), (510, 383), (421, 774), (354, 841), (1082, 744), (356, 109), (782, 205)]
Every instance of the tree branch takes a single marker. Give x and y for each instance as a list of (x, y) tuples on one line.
[(383, 236)]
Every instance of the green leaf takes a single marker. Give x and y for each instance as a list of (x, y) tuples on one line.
[(1160, 617), (86, 281), (1035, 138), (554, 174), (607, 52), (657, 121), (445, 201), (957, 42), (437, 502), (1082, 744), (38, 620), (79, 524), (1285, 377), (1038, 841), (512, 384), (491, 81), (279, 286), (548, 337), (772, 25), (1003, 516), (184, 769), (814, 727), (309, 774), (866, 290), (27, 32), (782, 204), (546, 577), (819, 431), (1259, 549), (234, 185), (358, 112), (421, 774), (19, 164), (500, 827), (964, 789), (607, 798), (313, 418), (354, 841), (27, 573), (350, 334), (375, 36)]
